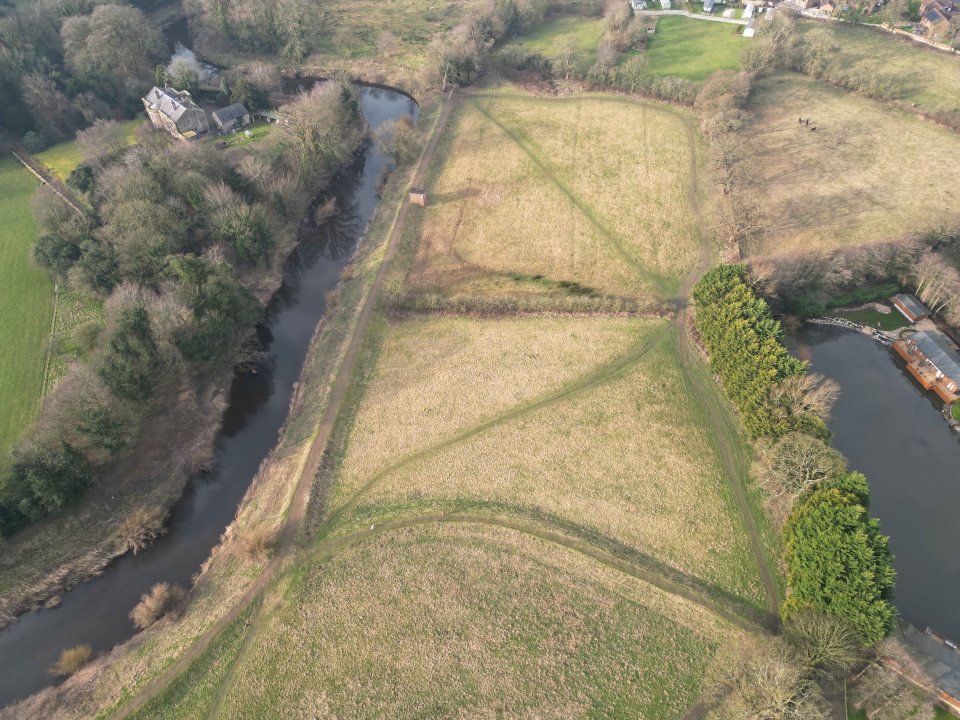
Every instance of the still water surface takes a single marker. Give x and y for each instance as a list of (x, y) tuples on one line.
[(96, 612), (891, 430)]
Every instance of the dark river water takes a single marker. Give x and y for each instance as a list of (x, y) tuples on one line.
[(96, 612), (891, 430)]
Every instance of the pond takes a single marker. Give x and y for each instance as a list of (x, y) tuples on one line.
[(96, 612), (891, 430)]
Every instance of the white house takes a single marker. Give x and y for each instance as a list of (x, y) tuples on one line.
[(665, 4), (638, 4), (176, 112), (750, 29), (748, 12), (708, 6)]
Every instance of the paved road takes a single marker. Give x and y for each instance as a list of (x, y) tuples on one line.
[(697, 16)]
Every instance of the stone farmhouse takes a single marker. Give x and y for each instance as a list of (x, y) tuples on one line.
[(175, 112)]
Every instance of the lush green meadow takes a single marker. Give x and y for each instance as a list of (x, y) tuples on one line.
[(694, 49), (61, 159), (26, 305), (580, 34)]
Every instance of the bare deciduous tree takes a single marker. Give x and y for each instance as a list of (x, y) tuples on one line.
[(763, 680), (823, 643)]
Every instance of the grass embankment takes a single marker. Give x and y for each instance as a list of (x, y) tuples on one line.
[(577, 197), (928, 78), (694, 49), (26, 306), (63, 158), (869, 173), (581, 35)]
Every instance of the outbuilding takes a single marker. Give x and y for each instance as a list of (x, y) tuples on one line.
[(418, 196), (231, 117), (911, 308)]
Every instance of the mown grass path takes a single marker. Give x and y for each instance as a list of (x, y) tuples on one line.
[(726, 436)]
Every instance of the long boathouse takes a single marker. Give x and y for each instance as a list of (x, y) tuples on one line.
[(933, 360)]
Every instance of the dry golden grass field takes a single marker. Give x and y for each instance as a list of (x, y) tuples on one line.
[(440, 376), (869, 173), (590, 190), (620, 451), (469, 621)]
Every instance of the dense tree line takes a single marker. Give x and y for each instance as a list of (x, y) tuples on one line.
[(837, 560), (807, 285), (288, 28), (66, 63), (747, 353), (778, 44), (177, 236)]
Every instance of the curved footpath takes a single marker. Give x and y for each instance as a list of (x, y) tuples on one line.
[(724, 429)]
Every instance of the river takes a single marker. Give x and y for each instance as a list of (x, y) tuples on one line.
[(891, 430), (96, 612)]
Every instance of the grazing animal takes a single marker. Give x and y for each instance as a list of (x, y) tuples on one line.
[(813, 129), (799, 120), (808, 121)]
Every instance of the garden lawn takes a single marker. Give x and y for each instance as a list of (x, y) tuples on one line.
[(694, 49), (26, 306), (458, 620), (61, 159), (870, 173)]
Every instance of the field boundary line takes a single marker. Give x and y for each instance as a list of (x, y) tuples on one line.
[(49, 353), (296, 510), (31, 164), (722, 421)]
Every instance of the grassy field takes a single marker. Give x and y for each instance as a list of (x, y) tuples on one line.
[(621, 225), (581, 34), (466, 621), (26, 305), (928, 78), (869, 173), (694, 49), (62, 158), (518, 513), (618, 451)]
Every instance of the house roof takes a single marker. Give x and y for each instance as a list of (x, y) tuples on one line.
[(916, 308), (940, 352), (230, 112), (170, 102), (934, 17)]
